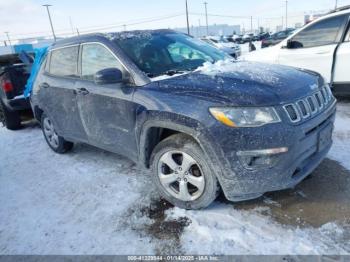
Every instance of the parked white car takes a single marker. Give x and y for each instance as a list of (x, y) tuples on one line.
[(322, 46), (219, 42)]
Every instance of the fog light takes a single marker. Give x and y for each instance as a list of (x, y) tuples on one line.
[(266, 158)]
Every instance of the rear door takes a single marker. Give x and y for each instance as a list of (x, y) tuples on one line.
[(58, 95), (342, 66), (107, 111), (313, 48)]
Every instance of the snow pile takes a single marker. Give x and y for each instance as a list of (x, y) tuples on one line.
[(221, 229), (341, 136)]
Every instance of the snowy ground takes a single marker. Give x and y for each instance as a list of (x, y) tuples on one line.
[(93, 202)]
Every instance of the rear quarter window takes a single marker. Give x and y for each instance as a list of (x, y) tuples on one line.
[(64, 62)]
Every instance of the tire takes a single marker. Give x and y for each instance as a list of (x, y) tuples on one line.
[(57, 143), (177, 162), (11, 119)]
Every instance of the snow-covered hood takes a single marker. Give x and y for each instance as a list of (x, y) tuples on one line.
[(244, 83)]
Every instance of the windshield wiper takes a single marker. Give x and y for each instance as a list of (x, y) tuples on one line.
[(174, 72)]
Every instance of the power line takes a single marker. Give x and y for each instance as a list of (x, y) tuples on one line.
[(121, 25)]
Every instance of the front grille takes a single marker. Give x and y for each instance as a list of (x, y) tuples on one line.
[(292, 112), (308, 106)]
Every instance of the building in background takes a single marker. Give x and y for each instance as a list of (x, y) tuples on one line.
[(216, 29), (311, 17), (27, 44), (298, 25)]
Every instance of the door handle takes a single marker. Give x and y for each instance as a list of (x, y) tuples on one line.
[(322, 52), (44, 85), (82, 91)]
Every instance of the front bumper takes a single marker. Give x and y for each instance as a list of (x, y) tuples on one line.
[(307, 144)]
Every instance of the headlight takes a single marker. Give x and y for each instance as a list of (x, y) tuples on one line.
[(245, 117)]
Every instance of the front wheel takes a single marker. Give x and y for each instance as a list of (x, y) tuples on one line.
[(182, 174), (55, 142)]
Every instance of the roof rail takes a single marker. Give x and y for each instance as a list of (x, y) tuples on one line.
[(342, 8)]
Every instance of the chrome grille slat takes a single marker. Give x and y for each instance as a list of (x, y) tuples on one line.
[(308, 106)]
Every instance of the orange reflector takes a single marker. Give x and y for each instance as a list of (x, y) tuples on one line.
[(220, 116)]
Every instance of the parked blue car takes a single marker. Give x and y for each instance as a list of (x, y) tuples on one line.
[(172, 103)]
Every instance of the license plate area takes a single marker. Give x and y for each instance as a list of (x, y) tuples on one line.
[(325, 137)]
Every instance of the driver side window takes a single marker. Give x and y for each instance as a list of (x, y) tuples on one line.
[(96, 57), (325, 32)]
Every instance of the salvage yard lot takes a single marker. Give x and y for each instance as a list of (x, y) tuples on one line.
[(93, 202)]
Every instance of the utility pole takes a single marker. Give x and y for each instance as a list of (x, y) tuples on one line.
[(206, 16), (199, 28), (8, 38), (78, 32), (48, 13), (251, 24), (336, 4), (124, 26), (71, 25), (188, 23), (286, 14)]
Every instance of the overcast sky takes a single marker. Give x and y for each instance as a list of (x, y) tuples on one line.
[(23, 18)]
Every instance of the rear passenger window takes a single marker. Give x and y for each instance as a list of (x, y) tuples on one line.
[(96, 57), (325, 32), (64, 62)]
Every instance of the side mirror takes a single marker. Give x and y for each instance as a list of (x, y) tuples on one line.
[(108, 76)]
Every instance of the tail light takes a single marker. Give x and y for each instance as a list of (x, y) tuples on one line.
[(7, 86)]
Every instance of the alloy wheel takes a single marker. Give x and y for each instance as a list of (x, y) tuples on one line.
[(181, 176), (50, 133)]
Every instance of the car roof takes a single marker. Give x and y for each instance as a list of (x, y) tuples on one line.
[(96, 37)]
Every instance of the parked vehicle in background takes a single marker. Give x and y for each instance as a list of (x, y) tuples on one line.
[(230, 48), (172, 103), (322, 46), (235, 39), (248, 38), (13, 77), (276, 38), (263, 36)]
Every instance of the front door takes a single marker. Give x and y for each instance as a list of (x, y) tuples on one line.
[(107, 111), (313, 48)]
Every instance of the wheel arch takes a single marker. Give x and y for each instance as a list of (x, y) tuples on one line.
[(156, 129)]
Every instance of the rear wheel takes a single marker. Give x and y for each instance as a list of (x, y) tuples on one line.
[(11, 119), (55, 142), (182, 174)]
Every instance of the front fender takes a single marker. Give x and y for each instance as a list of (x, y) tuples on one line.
[(186, 125)]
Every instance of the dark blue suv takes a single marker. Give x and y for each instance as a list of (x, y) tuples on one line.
[(202, 122)]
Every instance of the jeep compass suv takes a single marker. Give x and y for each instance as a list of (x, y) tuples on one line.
[(172, 103)]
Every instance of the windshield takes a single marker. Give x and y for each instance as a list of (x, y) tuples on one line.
[(168, 53)]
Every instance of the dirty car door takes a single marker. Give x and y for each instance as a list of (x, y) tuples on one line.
[(107, 111), (58, 95)]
